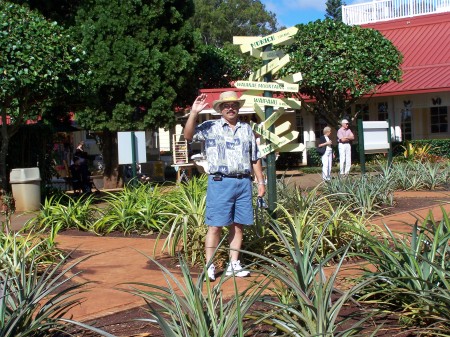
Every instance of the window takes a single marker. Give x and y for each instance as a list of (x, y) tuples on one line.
[(299, 127), (363, 111), (319, 124), (439, 119), (406, 123), (383, 111)]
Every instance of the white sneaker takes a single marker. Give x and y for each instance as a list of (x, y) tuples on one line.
[(235, 268), (211, 273)]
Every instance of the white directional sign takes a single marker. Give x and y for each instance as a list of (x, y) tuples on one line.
[(270, 101), (284, 127), (270, 55), (271, 86), (273, 66), (261, 114), (281, 37), (269, 67), (284, 141), (273, 117), (265, 133)]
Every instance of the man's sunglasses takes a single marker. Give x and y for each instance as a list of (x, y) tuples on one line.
[(228, 106)]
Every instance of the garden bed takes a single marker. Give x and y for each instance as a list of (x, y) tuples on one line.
[(124, 323)]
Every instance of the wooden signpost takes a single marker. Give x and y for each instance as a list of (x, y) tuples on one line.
[(260, 82)]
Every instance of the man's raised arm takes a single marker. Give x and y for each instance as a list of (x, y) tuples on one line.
[(198, 105)]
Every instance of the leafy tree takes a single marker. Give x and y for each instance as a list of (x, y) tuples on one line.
[(340, 64), (62, 11), (334, 9), (218, 67), (39, 62), (142, 53), (218, 21)]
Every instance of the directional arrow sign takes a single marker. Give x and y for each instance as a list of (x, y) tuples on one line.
[(261, 114), (276, 38), (273, 117), (269, 67), (270, 55), (270, 86), (265, 150), (280, 102), (245, 39), (266, 133), (286, 126)]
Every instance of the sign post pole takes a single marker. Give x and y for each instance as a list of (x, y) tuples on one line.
[(362, 155), (133, 157), (270, 158), (390, 144)]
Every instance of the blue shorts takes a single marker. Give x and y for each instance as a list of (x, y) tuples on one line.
[(229, 201)]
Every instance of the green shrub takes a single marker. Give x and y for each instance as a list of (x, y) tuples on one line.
[(185, 219), (438, 147), (192, 306), (135, 209), (35, 298), (414, 274)]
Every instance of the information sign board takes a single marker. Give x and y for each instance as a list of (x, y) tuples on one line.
[(125, 147), (376, 138)]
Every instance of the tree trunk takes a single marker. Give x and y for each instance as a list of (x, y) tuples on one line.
[(4, 150), (112, 174), (3, 166)]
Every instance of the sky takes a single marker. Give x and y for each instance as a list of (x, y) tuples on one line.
[(292, 12)]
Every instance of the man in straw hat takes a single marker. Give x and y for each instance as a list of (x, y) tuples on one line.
[(232, 156), (345, 137)]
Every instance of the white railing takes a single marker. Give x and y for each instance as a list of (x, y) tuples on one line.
[(382, 10)]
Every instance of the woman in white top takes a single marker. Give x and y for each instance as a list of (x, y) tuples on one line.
[(326, 151)]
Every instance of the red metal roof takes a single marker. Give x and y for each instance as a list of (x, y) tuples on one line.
[(424, 42)]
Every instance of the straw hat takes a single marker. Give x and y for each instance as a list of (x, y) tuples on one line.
[(227, 97)]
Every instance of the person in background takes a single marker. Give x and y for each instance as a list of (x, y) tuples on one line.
[(81, 158), (80, 152), (326, 151), (232, 156), (345, 137)]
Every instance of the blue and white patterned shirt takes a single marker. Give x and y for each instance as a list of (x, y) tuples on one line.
[(228, 151)]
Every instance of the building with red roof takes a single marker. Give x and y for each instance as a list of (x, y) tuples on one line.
[(418, 106)]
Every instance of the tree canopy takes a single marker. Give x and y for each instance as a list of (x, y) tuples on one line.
[(340, 64), (39, 62), (61, 11), (334, 9), (142, 54), (218, 21)]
